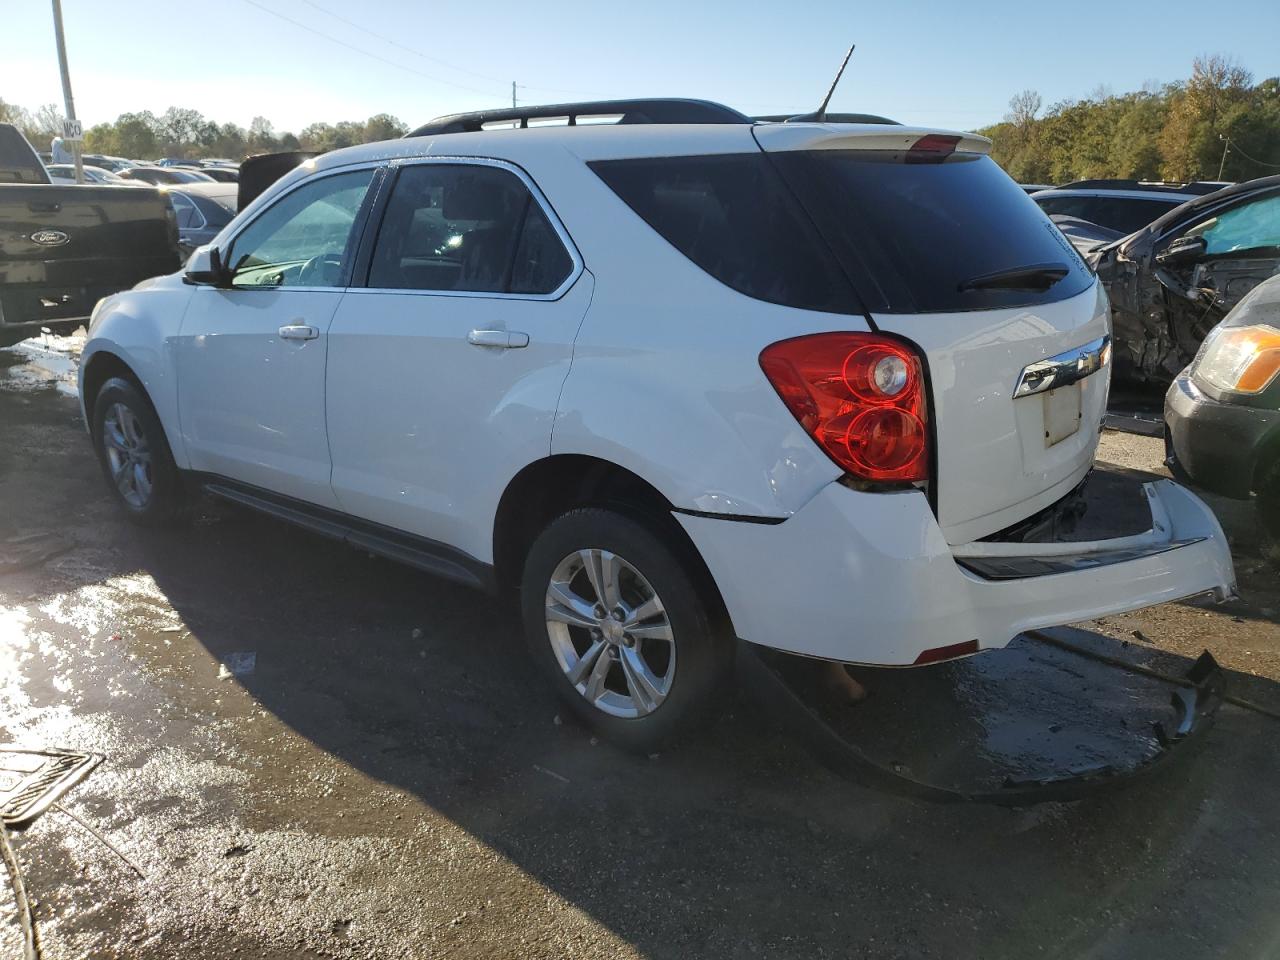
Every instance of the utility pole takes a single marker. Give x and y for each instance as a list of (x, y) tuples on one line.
[(1226, 145), (70, 126), (513, 94)]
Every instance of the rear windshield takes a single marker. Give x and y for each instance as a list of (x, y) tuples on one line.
[(734, 217), (916, 232), (1126, 214), (18, 162)]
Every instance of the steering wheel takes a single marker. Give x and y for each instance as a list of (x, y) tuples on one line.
[(318, 271)]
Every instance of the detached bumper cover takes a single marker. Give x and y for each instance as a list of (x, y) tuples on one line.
[(869, 577), (1194, 700)]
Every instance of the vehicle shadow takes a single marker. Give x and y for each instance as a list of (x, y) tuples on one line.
[(732, 845)]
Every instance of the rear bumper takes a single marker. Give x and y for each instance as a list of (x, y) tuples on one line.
[(26, 310), (869, 577), (1217, 445)]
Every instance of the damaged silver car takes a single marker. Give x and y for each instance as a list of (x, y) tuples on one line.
[(1173, 281)]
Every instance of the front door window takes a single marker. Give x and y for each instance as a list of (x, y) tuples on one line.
[(305, 238)]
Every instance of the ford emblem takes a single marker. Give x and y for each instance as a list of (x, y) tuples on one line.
[(49, 238)]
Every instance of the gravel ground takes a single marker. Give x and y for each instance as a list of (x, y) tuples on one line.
[(389, 781)]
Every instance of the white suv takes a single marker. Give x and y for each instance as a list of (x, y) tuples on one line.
[(678, 379)]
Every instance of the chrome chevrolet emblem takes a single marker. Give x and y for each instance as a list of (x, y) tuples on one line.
[(1066, 368)]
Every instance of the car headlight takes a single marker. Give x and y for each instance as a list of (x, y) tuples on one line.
[(1240, 359)]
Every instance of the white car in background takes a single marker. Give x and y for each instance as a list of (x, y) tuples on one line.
[(66, 173), (678, 379)]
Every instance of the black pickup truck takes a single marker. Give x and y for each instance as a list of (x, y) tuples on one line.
[(64, 247)]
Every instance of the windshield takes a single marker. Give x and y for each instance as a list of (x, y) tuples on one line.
[(915, 235), (1252, 226)]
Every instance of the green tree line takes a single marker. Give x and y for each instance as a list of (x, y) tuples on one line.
[(1216, 122), (188, 134)]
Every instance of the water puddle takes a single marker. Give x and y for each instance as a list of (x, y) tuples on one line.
[(43, 362)]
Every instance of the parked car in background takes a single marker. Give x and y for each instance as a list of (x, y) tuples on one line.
[(813, 385), (1084, 236), (1121, 205), (1172, 281), (259, 172), (165, 175), (1222, 413), (63, 246), (66, 173), (113, 164), (221, 174), (202, 209), (1035, 187)]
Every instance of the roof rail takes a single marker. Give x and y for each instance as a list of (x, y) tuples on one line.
[(627, 111), (1196, 186), (830, 118)]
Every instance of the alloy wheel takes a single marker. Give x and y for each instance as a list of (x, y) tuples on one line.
[(128, 455), (610, 633)]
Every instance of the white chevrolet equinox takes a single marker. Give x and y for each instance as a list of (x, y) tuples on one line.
[(676, 377)]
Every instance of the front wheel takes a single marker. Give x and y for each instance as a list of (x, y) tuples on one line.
[(135, 455), (626, 625)]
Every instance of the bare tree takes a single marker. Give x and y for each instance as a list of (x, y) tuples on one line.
[(1216, 81), (1023, 108)]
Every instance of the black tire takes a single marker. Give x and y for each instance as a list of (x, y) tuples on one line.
[(167, 501), (701, 637)]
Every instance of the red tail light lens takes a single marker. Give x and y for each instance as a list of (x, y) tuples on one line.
[(860, 396), (932, 148), (938, 654)]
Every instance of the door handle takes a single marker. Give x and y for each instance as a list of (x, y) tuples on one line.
[(505, 339), (298, 331)]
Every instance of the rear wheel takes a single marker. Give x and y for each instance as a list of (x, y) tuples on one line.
[(135, 455), (626, 625)]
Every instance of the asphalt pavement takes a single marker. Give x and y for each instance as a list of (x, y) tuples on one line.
[(311, 753)]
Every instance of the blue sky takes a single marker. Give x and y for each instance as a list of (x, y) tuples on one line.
[(938, 64)]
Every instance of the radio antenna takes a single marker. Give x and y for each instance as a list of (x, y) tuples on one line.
[(821, 114)]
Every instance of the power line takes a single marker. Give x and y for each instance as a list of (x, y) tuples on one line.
[(374, 56), (418, 53), (1262, 163), (397, 43)]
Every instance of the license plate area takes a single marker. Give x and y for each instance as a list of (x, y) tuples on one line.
[(1062, 414)]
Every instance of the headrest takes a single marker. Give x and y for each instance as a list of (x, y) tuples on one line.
[(472, 197)]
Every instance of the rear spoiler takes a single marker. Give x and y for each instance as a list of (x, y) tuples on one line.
[(869, 136), (258, 173)]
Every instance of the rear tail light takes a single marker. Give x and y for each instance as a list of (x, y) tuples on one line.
[(932, 148), (938, 654), (861, 397)]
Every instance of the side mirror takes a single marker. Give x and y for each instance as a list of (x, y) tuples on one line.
[(1182, 250), (205, 267)]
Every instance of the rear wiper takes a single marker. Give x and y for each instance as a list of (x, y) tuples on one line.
[(1034, 276)]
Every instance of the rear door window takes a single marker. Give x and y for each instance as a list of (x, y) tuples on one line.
[(916, 232), (733, 216), (466, 227), (188, 215)]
